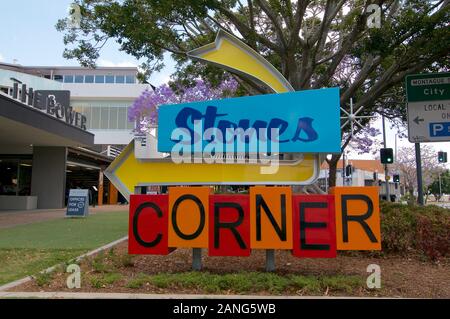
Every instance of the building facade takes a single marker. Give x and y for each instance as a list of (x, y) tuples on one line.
[(42, 153), (103, 95)]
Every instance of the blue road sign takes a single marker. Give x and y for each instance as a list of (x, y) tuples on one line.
[(440, 129)]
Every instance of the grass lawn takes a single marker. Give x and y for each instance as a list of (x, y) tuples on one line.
[(28, 249)]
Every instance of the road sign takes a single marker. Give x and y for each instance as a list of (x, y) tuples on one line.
[(308, 122), (78, 203), (428, 97)]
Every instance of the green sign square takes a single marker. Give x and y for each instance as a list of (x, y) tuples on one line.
[(428, 87)]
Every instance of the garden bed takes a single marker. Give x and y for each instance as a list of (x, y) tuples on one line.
[(116, 271)]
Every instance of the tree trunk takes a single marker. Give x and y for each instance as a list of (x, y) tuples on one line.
[(332, 163)]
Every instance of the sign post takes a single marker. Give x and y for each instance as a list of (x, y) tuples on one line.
[(428, 98), (78, 203)]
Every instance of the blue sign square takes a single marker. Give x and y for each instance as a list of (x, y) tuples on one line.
[(307, 121)]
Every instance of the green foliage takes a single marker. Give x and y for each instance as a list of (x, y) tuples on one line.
[(415, 229), (245, 282), (443, 186), (412, 38), (43, 278), (102, 281), (67, 233), (138, 281), (18, 263)]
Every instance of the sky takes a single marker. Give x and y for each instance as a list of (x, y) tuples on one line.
[(29, 37)]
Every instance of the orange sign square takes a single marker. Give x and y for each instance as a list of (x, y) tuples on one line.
[(357, 218), (188, 217)]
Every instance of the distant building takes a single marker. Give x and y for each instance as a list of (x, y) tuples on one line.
[(364, 173)]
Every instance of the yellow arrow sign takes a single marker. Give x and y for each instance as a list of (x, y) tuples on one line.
[(228, 52), (126, 172)]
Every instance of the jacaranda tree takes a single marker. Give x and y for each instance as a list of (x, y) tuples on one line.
[(365, 47)]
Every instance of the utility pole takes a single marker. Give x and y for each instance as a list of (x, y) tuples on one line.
[(343, 168), (386, 171), (419, 175)]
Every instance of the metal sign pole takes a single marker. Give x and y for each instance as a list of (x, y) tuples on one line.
[(419, 175), (196, 258), (270, 260), (386, 170)]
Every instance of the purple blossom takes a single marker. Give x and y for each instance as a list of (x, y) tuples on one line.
[(145, 108)]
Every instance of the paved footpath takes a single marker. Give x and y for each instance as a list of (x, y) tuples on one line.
[(86, 295), (13, 218)]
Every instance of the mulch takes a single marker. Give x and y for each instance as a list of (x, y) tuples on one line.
[(401, 276)]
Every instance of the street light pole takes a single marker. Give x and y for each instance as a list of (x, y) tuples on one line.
[(386, 171)]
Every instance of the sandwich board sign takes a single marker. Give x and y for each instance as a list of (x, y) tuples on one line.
[(78, 203), (428, 97)]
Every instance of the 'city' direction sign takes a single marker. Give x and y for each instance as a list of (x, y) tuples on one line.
[(428, 97)]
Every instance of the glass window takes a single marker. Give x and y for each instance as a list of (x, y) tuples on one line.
[(8, 177), (88, 79), (95, 121), (79, 78), (130, 79), (120, 79), (58, 78), (24, 180), (113, 114), (87, 112), (68, 78), (104, 118), (122, 118), (109, 79), (99, 79)]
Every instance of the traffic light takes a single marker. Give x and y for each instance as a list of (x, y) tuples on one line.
[(348, 170), (387, 156), (442, 157), (375, 176), (396, 178)]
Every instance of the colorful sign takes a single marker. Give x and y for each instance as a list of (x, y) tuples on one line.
[(126, 172), (307, 122), (312, 226)]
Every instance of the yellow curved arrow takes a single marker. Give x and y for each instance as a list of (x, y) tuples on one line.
[(126, 172), (230, 53)]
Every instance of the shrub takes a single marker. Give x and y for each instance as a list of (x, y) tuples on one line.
[(423, 230)]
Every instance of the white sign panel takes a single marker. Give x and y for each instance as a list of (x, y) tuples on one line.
[(429, 121)]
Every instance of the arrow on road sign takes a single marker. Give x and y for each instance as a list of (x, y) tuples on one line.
[(126, 172), (418, 120)]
